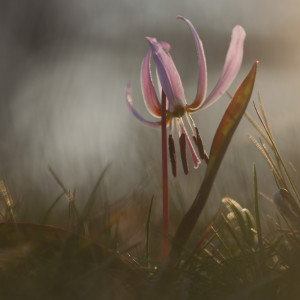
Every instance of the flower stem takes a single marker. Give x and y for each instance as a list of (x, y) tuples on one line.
[(164, 247)]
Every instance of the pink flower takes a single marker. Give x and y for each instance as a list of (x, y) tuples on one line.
[(170, 83)]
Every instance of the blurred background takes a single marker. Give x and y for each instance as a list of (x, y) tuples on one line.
[(64, 66)]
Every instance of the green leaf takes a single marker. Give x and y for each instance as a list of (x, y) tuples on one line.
[(250, 228), (230, 121), (243, 218), (224, 133)]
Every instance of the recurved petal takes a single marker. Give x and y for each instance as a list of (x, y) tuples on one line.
[(165, 45), (168, 74), (160, 89), (202, 73), (148, 89), (134, 112), (231, 67)]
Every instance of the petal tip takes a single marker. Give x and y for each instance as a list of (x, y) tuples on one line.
[(150, 39), (254, 67), (129, 104), (238, 29), (179, 17), (128, 93), (197, 166), (128, 88)]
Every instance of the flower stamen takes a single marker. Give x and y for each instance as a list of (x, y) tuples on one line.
[(182, 143), (199, 144), (172, 153), (191, 123)]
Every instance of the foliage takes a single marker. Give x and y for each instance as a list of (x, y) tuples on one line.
[(236, 255)]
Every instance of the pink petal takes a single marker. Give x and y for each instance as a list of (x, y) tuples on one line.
[(165, 45), (168, 75), (148, 89), (160, 89), (232, 65), (202, 74), (196, 160), (134, 112)]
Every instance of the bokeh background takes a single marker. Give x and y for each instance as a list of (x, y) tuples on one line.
[(64, 66)]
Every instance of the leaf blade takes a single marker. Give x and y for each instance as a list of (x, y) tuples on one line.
[(224, 133)]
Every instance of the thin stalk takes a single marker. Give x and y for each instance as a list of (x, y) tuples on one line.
[(258, 129), (295, 171), (277, 154), (164, 246), (228, 226), (45, 218), (148, 231), (258, 224), (223, 243)]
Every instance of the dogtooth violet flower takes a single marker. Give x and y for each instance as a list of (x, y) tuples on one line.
[(170, 84)]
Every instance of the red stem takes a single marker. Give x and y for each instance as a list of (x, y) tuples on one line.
[(164, 247)]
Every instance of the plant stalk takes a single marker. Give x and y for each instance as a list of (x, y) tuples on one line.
[(164, 246)]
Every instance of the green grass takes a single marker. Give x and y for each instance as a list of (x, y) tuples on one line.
[(97, 249)]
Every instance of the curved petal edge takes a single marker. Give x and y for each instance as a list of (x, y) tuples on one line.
[(232, 65), (148, 89), (202, 71), (135, 113)]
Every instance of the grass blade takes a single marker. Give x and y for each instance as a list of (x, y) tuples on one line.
[(257, 219), (277, 154), (48, 212), (258, 129), (92, 199), (148, 231), (276, 173)]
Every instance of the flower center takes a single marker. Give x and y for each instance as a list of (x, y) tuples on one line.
[(178, 112)]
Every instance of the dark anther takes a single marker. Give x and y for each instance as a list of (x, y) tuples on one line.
[(172, 152), (182, 144), (198, 141)]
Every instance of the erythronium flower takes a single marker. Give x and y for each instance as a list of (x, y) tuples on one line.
[(170, 84)]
